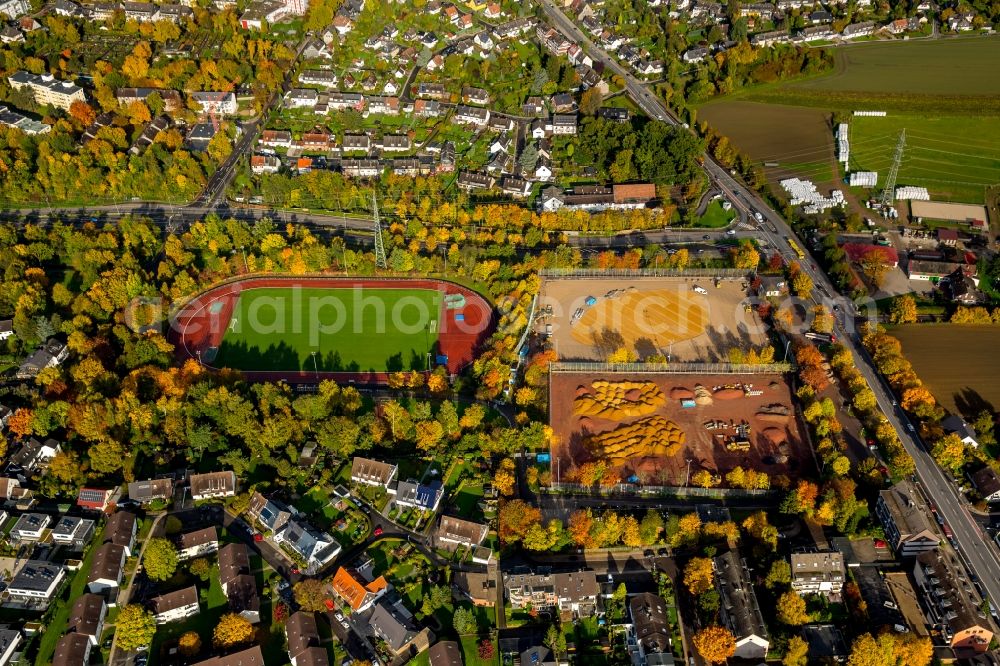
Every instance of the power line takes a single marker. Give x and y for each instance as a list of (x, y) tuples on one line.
[(889, 194), (380, 260)]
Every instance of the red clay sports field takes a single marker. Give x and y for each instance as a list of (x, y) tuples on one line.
[(222, 327)]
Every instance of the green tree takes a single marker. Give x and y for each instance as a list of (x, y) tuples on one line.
[(159, 559), (134, 628), (779, 575), (797, 652), (464, 621)]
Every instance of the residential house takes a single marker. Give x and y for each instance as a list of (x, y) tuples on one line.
[(5, 411), (964, 289), (36, 582), (237, 581), (72, 650), (632, 195), (318, 77), (418, 495), (987, 484), (815, 33), (94, 499), (426, 108), (515, 187), (500, 123), (339, 101), (379, 104), (318, 140), (541, 655), (396, 143), (356, 592), (175, 606), (11, 35), (269, 515), (73, 532), (820, 16), (305, 646), (471, 115), (217, 102), (955, 425), (316, 548), (826, 644), (301, 98), (479, 587), (31, 127), (907, 527), (394, 625), (357, 143), (198, 543), (471, 180), (739, 609), (361, 168), (171, 98), (342, 24), (157, 125), (49, 355), (533, 107), (67, 8), (650, 627), (106, 569), (212, 485), (564, 125), (577, 592), (46, 90), (10, 641), (770, 38), (445, 653), (33, 456), (30, 527), (276, 138), (818, 573), (87, 616), (433, 91), (121, 529), (472, 95), (459, 532), (252, 656), (373, 472), (696, 54), (856, 30), (151, 490), (264, 164), (6, 331), (953, 604)]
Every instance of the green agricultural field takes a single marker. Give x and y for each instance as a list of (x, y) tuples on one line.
[(955, 157), (942, 76), (798, 140), (349, 330)]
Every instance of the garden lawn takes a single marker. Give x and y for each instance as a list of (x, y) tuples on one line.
[(716, 216), (57, 625), (376, 330)]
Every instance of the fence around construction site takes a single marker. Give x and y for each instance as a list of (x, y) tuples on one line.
[(673, 368), (639, 273)]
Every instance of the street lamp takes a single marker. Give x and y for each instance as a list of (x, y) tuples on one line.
[(687, 479), (315, 365)]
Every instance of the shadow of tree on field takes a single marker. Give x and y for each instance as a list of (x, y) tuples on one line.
[(970, 403), (645, 348)]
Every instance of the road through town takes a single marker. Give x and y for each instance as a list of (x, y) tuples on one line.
[(979, 553)]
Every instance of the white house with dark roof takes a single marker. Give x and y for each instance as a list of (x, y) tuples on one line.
[(213, 485), (373, 472), (198, 543), (315, 547), (426, 497), (175, 606), (36, 582), (30, 527), (73, 532)]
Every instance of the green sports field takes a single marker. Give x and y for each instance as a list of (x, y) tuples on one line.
[(350, 330)]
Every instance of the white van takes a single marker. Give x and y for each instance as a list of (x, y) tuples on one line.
[(700, 290)]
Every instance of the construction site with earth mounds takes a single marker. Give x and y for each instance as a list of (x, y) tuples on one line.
[(683, 318), (647, 426)]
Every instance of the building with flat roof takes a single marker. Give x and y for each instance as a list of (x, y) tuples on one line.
[(953, 604), (30, 527), (739, 608), (907, 525), (73, 532), (818, 573)]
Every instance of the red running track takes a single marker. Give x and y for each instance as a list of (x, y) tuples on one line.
[(196, 328)]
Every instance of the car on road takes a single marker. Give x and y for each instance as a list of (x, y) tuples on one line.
[(339, 616), (258, 538), (345, 625), (377, 531), (706, 237), (731, 232)]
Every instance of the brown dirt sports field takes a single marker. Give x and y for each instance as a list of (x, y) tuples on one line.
[(648, 315), (776, 445)]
